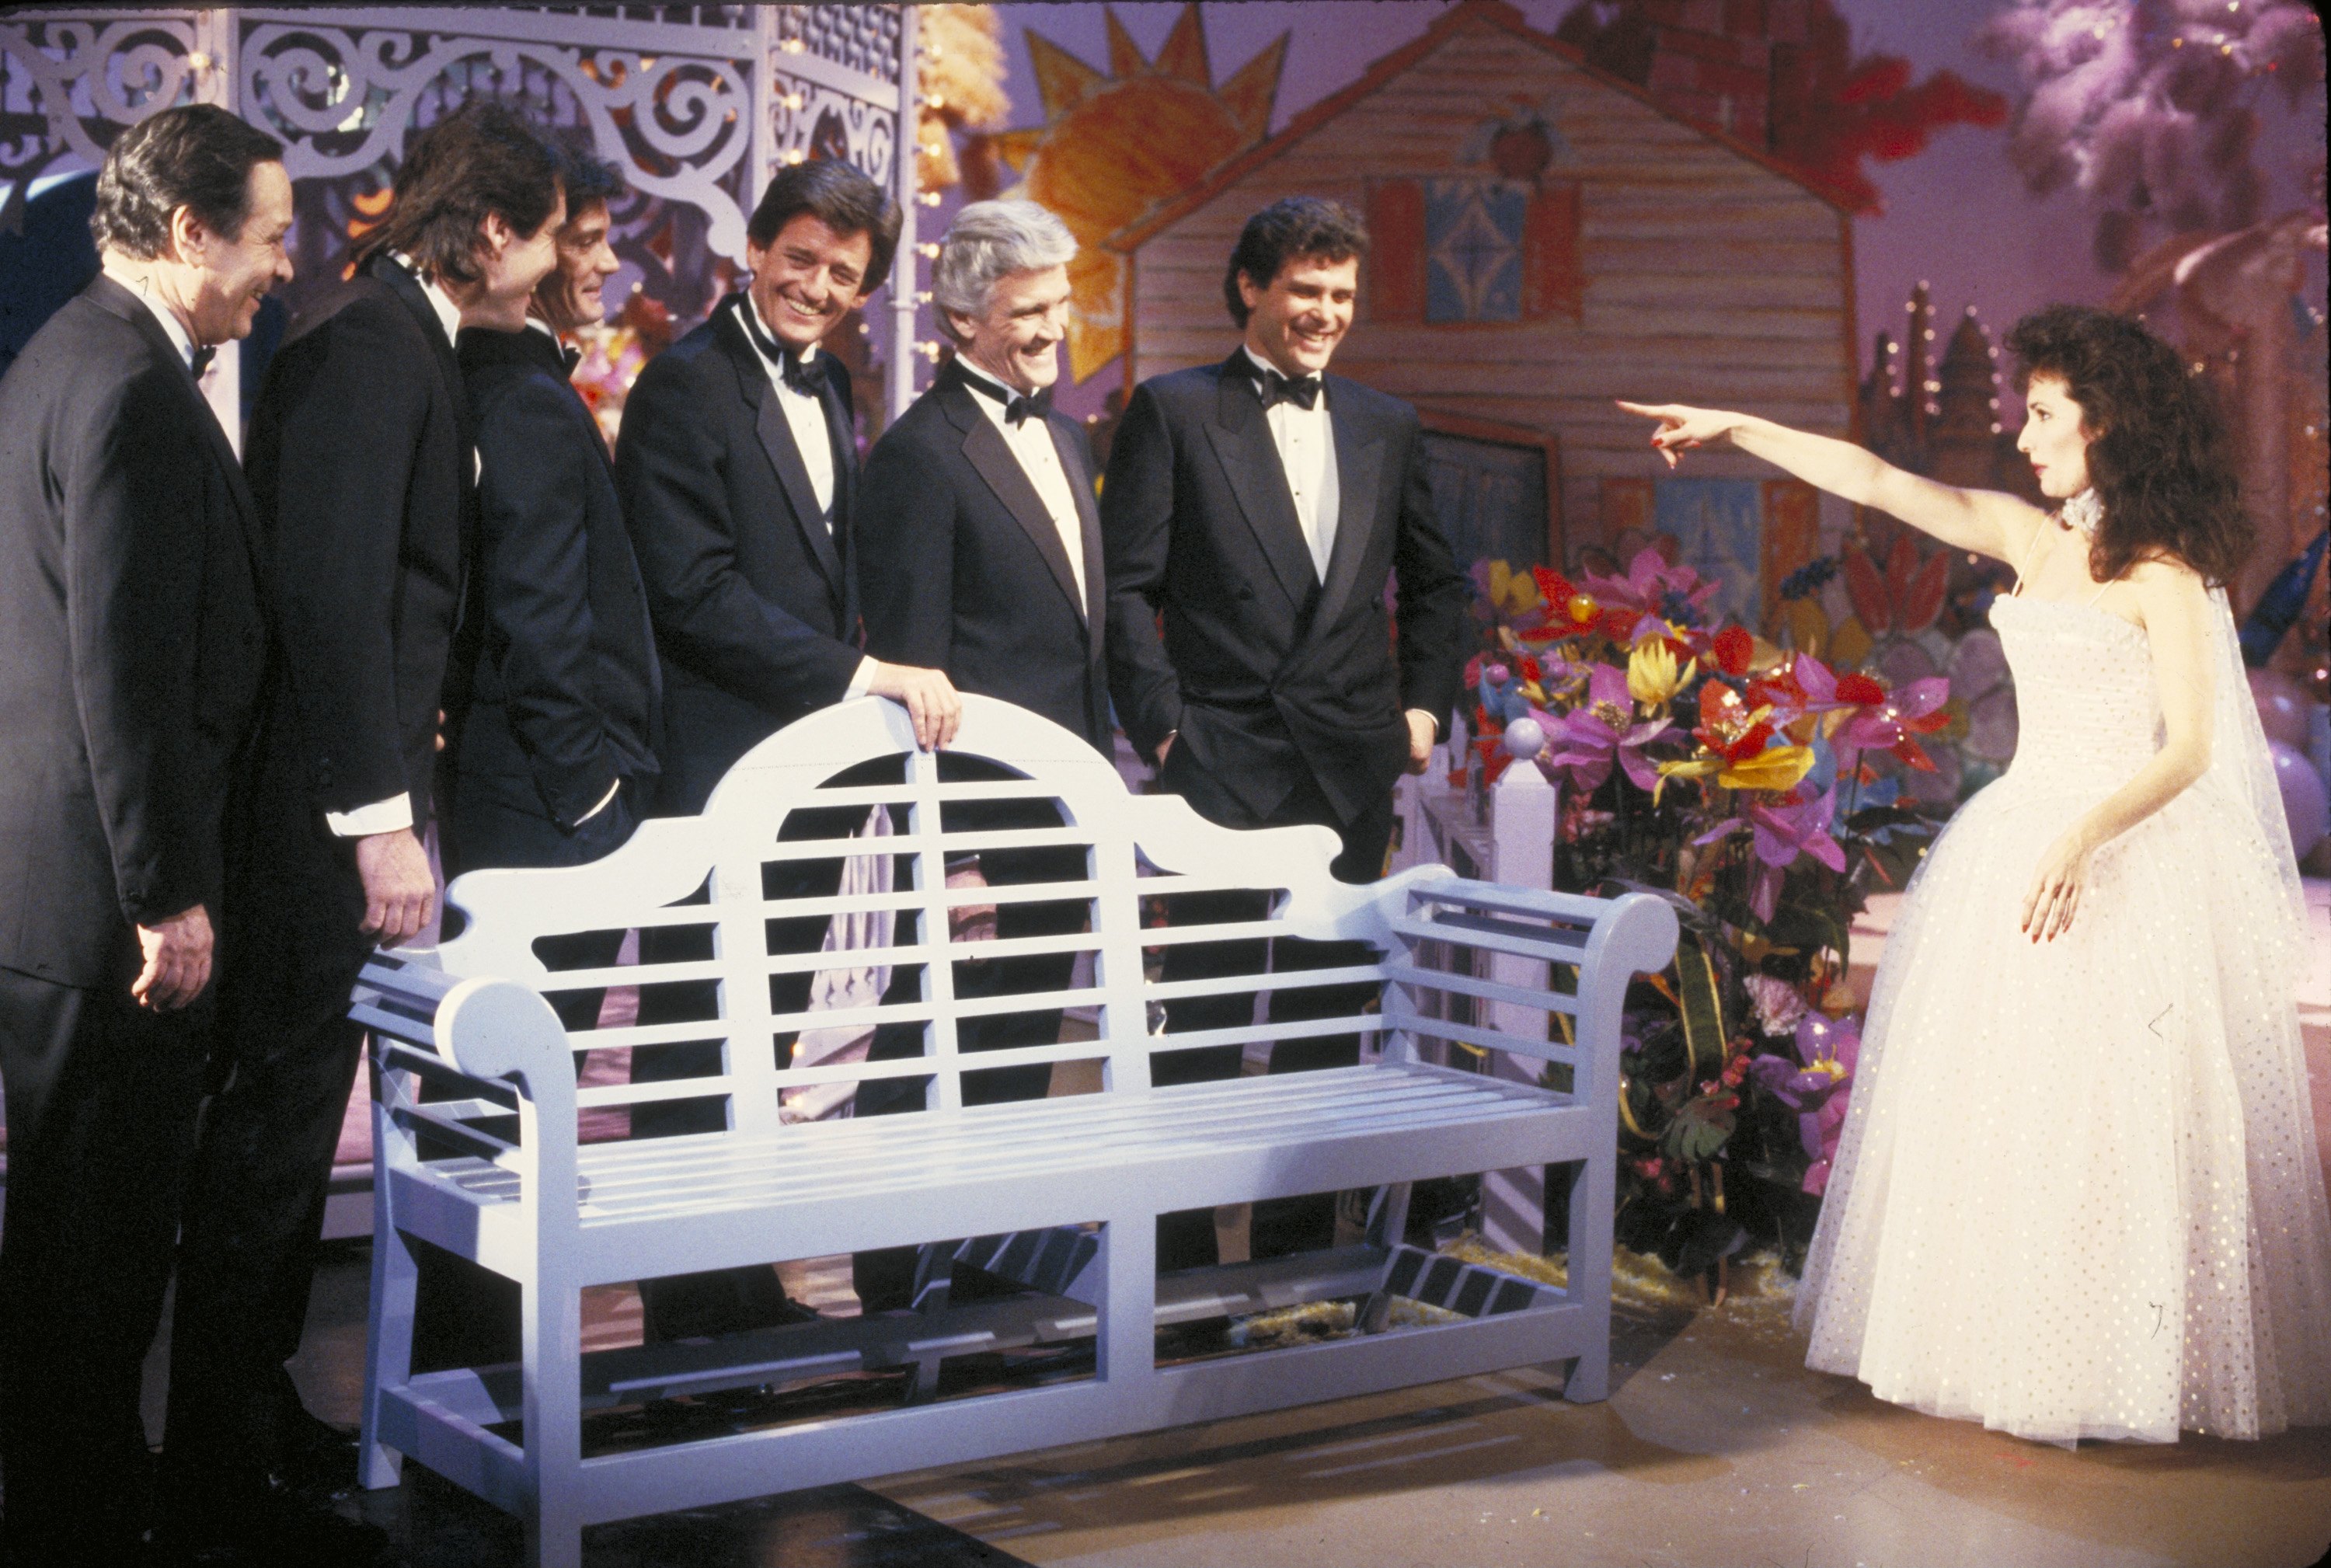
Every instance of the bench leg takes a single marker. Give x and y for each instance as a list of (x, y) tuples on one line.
[(553, 1329), (1592, 1189), (1387, 1223), (1127, 1340), (388, 1361)]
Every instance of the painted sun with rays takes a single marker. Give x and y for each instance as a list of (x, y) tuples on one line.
[(1112, 146)]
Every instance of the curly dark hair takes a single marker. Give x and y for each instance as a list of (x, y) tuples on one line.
[(1291, 228), (2159, 455)]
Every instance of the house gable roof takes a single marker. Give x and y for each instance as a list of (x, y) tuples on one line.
[(1493, 13)]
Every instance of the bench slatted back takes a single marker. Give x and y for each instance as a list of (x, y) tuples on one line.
[(1008, 786)]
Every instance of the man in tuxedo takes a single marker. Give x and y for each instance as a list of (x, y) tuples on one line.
[(737, 464), (131, 651), (1255, 513), (359, 458), (556, 746), (981, 554)]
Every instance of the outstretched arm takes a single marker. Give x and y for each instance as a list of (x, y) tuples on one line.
[(1986, 521)]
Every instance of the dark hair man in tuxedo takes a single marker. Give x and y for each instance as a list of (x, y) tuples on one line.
[(737, 464), (131, 650), (1259, 509), (360, 461), (981, 554), (556, 746)]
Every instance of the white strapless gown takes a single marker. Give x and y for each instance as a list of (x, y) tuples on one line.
[(2078, 1194)]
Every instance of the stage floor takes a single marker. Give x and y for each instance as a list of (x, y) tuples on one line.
[(1717, 1447)]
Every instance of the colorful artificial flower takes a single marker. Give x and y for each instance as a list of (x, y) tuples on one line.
[(1815, 1085), (1888, 723), (1797, 824), (1740, 748), (1651, 587), (1652, 678), (1582, 744), (1778, 1004)]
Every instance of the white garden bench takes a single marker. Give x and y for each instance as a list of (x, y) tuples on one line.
[(1060, 1194)]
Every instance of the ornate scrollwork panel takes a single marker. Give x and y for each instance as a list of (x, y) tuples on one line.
[(67, 84), (346, 99)]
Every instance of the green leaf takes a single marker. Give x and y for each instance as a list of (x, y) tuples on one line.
[(1703, 1008)]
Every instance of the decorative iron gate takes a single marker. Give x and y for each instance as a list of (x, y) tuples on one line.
[(696, 103)]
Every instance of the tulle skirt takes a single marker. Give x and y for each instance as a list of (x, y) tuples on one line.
[(2078, 1195)]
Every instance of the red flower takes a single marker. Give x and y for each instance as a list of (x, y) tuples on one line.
[(1531, 668), (1553, 587), (1734, 647), (1858, 687)]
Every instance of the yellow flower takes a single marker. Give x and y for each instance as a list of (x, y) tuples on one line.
[(1776, 768), (1652, 677)]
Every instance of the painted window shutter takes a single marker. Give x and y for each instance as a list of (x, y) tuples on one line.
[(1552, 281), (1397, 251)]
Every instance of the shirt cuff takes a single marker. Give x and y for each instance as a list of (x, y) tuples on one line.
[(602, 806), (380, 817), (862, 681)]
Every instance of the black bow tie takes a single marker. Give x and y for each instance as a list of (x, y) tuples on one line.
[(202, 361), (1302, 391), (804, 376), (1018, 407), (571, 357)]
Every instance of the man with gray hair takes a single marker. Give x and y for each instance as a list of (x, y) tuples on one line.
[(980, 556)]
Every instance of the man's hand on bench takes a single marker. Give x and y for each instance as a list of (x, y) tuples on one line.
[(400, 895), (177, 953), (928, 696)]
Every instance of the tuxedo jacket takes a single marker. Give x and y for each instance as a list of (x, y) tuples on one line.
[(961, 567), (131, 642), (1219, 625), (561, 679), (755, 614), (359, 460)]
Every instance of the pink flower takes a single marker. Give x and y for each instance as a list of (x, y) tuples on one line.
[(1652, 588), (1888, 723), (1797, 825), (1586, 741)]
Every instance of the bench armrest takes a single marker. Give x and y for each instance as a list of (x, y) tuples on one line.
[(487, 1032)]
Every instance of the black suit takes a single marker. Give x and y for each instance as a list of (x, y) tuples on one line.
[(963, 570), (131, 654), (1285, 693), (562, 678), (756, 616), (359, 460), (755, 621)]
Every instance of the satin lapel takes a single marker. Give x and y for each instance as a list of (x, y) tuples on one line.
[(983, 446), (1250, 460), (785, 457), (1359, 459), (1073, 463)]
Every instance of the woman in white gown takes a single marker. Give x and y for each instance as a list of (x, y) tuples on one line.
[(2078, 1194)]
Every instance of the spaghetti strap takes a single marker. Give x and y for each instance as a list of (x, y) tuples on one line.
[(2102, 589), (2024, 564)]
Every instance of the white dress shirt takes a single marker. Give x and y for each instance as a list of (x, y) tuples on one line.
[(397, 811), (1306, 439), (1031, 442), (806, 414), (805, 417)]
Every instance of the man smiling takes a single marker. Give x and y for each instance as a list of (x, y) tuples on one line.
[(738, 466), (1255, 513)]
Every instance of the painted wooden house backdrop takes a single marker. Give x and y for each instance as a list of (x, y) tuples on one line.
[(1546, 238)]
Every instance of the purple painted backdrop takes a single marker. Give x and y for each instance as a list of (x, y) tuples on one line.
[(1957, 214)]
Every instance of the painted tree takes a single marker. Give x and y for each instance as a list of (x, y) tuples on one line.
[(1829, 110), (2149, 107)]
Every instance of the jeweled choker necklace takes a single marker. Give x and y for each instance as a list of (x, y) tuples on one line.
[(2085, 512)]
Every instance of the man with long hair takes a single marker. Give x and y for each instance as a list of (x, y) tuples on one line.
[(359, 458)]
